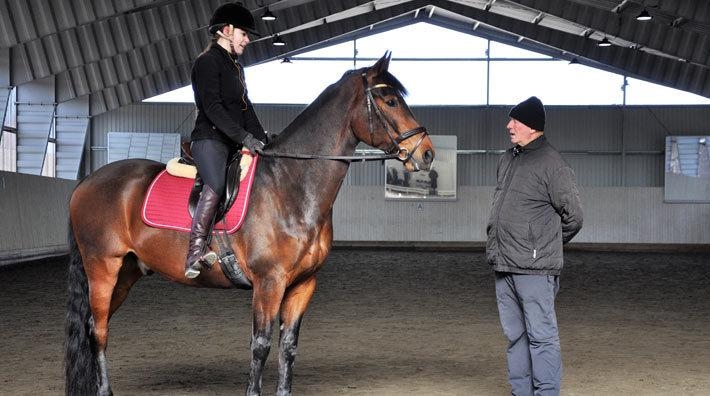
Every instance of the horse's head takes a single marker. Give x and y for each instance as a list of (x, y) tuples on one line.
[(386, 122)]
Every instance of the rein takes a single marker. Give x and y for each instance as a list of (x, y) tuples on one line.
[(395, 151), (346, 158)]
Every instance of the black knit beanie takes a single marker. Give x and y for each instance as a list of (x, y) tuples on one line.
[(530, 112)]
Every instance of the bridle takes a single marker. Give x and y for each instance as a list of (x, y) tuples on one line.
[(402, 153), (394, 151)]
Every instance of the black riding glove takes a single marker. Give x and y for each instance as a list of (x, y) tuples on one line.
[(252, 144)]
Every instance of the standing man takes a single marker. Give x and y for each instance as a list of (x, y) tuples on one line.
[(536, 210)]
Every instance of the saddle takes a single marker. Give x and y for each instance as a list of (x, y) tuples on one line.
[(231, 187)]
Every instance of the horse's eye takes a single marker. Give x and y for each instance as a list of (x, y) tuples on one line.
[(391, 103)]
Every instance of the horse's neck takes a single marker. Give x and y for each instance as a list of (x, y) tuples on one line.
[(323, 130)]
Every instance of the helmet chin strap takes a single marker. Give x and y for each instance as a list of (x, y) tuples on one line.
[(228, 38)]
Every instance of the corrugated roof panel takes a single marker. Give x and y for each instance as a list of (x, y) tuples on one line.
[(62, 10), (186, 15), (123, 94), (38, 60), (108, 72), (72, 52), (104, 8), (150, 58), (165, 54), (93, 76), (83, 11), (43, 18), (89, 47), (22, 20), (136, 90), (7, 29), (149, 86), (120, 34), (104, 39), (170, 20), (194, 43), (154, 25), (136, 62), (79, 81), (54, 53), (137, 30), (178, 49), (123, 67)]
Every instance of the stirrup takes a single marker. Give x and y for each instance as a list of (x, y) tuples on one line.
[(207, 260)]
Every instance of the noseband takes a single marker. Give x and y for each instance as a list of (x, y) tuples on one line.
[(402, 153)]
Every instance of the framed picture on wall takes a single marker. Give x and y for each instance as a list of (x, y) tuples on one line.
[(687, 170), (437, 183)]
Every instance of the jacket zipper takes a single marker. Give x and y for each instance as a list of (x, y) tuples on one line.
[(533, 241)]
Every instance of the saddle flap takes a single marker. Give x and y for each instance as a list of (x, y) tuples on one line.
[(230, 191), (166, 201)]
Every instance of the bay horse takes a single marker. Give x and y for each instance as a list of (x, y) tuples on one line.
[(282, 243)]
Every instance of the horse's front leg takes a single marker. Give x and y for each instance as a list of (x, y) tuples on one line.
[(294, 305), (266, 301)]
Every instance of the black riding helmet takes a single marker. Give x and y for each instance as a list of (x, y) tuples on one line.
[(232, 14)]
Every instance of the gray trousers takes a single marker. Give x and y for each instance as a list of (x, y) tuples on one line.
[(526, 305)]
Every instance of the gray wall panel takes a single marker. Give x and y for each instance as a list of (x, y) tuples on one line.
[(645, 130), (590, 128), (598, 170), (598, 135), (144, 117), (36, 208), (644, 170), (611, 215)]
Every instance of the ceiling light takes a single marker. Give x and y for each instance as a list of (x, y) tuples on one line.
[(268, 15), (644, 16), (604, 43), (278, 42)]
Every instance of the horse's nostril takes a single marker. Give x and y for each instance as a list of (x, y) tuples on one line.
[(428, 156)]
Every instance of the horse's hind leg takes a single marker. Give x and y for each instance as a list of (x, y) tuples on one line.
[(292, 309), (127, 277), (266, 300), (109, 282)]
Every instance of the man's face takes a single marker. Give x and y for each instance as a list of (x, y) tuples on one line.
[(520, 133)]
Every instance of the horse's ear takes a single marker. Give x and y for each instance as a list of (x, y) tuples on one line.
[(382, 65)]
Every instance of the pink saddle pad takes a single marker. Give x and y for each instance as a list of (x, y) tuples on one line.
[(165, 204)]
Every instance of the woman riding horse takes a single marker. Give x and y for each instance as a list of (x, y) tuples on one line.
[(225, 121)]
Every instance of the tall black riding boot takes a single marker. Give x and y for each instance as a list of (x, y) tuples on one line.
[(199, 255)]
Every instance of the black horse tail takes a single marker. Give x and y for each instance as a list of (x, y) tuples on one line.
[(80, 359)]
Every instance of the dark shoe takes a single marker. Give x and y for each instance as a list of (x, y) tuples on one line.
[(199, 255)]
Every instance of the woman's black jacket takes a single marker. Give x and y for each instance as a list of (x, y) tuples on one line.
[(224, 109)]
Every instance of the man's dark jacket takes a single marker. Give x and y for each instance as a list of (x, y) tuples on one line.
[(224, 109), (536, 209)]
